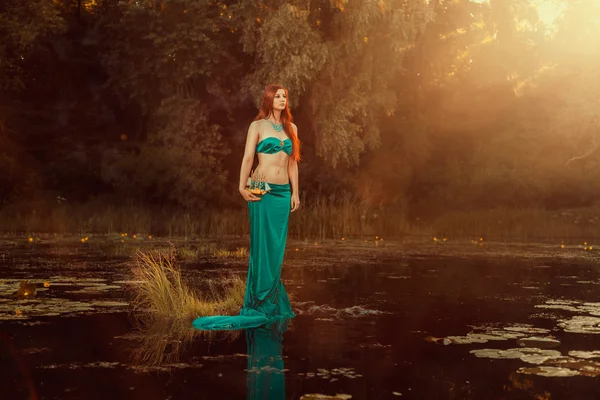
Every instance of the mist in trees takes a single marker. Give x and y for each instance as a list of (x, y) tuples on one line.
[(419, 106)]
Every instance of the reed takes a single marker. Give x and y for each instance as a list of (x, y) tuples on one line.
[(164, 293), (210, 250), (321, 217), (526, 224), (229, 296)]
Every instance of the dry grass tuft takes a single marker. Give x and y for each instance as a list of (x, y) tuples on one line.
[(210, 250), (241, 252), (165, 293), (232, 299)]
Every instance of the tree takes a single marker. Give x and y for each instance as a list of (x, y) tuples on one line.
[(23, 25), (180, 163)]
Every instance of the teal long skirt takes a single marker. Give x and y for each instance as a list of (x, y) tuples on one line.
[(266, 300)]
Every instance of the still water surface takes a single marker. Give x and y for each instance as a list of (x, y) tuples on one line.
[(372, 326)]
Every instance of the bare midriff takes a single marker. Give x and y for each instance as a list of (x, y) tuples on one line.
[(274, 167)]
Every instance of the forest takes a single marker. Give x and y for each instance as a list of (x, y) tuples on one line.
[(443, 117)]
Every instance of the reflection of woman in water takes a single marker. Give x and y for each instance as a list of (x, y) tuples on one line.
[(274, 138), (266, 379)]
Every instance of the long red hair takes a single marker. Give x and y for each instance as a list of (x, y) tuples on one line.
[(266, 109)]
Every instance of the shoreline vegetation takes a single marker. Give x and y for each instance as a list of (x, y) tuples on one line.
[(165, 294), (318, 221)]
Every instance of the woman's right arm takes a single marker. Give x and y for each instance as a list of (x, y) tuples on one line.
[(247, 161)]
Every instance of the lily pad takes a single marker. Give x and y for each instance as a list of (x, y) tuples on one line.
[(549, 371), (529, 355), (525, 328), (472, 338), (581, 324), (572, 306), (585, 354), (584, 367), (538, 342), (42, 307), (487, 334)]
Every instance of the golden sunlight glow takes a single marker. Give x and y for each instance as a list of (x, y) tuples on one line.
[(530, 82), (462, 31), (340, 4), (90, 5), (488, 39), (549, 10)]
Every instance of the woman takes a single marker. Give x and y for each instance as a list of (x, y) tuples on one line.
[(274, 138)]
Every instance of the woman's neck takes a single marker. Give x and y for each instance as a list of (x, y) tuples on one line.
[(275, 116)]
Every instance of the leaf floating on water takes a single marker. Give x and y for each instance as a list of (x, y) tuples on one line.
[(581, 324), (489, 334), (585, 354), (94, 288), (473, 338), (551, 316), (526, 328), (43, 307), (335, 373), (529, 355), (358, 311), (572, 306), (318, 396), (375, 345), (109, 303), (495, 353), (558, 307), (327, 311), (549, 371), (129, 282), (584, 367), (97, 364), (538, 342)]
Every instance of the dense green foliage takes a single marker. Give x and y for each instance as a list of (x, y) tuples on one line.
[(412, 107)]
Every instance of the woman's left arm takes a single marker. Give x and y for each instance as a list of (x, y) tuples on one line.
[(293, 175)]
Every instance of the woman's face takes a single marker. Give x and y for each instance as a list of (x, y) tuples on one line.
[(280, 100)]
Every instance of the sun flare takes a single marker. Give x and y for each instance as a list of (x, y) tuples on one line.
[(550, 11)]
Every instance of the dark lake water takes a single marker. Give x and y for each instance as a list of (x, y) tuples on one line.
[(371, 324)]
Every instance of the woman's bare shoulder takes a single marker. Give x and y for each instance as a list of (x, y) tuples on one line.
[(258, 124), (255, 126)]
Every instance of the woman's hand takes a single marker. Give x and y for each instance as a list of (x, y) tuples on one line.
[(248, 196), (295, 202)]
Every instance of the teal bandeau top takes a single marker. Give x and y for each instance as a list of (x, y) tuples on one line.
[(272, 145)]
